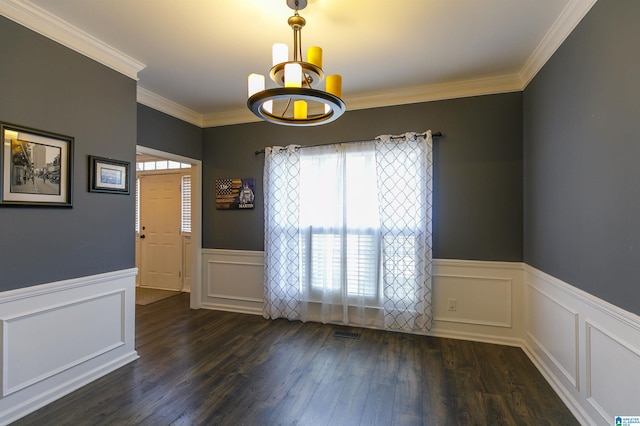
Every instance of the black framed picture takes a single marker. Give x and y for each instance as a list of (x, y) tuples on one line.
[(36, 167), (108, 175)]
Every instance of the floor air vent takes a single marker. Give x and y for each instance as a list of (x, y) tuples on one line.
[(346, 335)]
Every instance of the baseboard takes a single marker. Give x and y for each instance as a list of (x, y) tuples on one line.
[(571, 403), (233, 307), (27, 406), (476, 337), (84, 325)]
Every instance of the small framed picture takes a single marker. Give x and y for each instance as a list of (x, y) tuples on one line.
[(35, 167), (107, 175)]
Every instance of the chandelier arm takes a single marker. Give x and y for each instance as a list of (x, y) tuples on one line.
[(300, 46), (299, 35), (286, 108), (297, 44)]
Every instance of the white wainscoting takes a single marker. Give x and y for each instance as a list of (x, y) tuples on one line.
[(488, 299), (588, 349), (58, 337), (232, 280), (487, 293)]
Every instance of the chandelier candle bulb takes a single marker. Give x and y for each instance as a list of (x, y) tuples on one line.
[(280, 53), (314, 56), (299, 110), (256, 84), (334, 85), (292, 75)]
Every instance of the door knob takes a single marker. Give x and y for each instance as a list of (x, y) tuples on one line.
[(142, 237)]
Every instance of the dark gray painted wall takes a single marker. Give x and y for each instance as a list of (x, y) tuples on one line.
[(49, 87), (477, 171), (582, 178), (163, 132)]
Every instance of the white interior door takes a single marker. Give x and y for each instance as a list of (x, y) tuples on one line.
[(160, 236)]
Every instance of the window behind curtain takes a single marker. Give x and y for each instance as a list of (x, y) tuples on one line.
[(339, 219), (347, 229)]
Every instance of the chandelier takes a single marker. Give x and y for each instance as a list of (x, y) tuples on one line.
[(296, 102)]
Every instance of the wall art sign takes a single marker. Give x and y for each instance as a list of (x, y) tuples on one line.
[(108, 175), (238, 193), (35, 167)]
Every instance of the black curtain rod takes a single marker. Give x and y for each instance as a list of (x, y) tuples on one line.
[(433, 135)]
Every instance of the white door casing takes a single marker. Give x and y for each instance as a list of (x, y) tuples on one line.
[(194, 264)]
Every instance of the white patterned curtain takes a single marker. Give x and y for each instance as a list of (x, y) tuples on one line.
[(348, 233), (405, 174), (281, 180)]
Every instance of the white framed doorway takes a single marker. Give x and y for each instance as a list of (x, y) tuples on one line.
[(162, 242), (196, 218)]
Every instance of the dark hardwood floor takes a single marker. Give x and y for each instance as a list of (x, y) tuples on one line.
[(207, 367)]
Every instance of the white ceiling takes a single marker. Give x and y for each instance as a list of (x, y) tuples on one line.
[(192, 57)]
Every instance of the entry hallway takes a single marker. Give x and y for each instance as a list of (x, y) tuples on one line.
[(203, 367)]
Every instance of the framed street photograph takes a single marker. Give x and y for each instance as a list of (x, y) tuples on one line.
[(107, 175), (35, 167)]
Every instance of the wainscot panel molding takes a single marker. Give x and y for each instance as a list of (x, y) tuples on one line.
[(487, 294), (233, 280), (588, 349), (488, 300), (57, 337)]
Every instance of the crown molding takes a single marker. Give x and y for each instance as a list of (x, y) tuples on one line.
[(157, 102), (227, 118), (39, 20), (436, 92), (566, 22), (410, 95)]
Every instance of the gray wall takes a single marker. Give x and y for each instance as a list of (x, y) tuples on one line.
[(163, 132), (581, 153), (52, 88), (477, 171)]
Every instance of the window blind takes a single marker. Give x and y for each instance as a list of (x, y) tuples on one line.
[(186, 204)]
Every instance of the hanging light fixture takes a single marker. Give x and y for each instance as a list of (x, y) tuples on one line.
[(296, 102)]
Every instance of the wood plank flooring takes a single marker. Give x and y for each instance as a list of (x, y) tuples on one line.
[(217, 368)]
